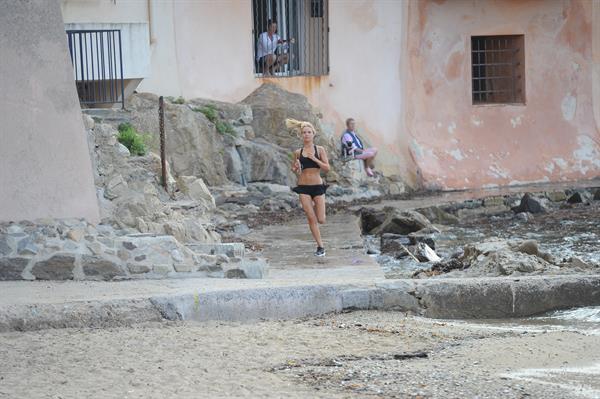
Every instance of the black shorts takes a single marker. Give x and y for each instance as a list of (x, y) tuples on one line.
[(312, 190)]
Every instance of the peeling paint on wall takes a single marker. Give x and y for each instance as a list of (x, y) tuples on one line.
[(568, 107), (587, 155)]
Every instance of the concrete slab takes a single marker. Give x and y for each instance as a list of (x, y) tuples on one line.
[(34, 305)]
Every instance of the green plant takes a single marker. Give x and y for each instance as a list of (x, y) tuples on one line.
[(130, 138), (225, 128), (209, 111), (173, 100)]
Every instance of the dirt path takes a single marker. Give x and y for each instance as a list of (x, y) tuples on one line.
[(349, 355)]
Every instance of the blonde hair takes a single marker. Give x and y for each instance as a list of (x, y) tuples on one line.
[(297, 126)]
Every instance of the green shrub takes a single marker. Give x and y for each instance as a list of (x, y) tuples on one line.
[(225, 128), (130, 138), (209, 112), (179, 100)]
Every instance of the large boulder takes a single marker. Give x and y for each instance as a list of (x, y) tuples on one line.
[(271, 105), (437, 215), (265, 162), (193, 145), (402, 222), (531, 204)]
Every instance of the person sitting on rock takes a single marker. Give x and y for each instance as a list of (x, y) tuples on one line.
[(266, 47), (352, 146)]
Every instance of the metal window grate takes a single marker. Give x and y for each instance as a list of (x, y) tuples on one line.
[(307, 22), (498, 69), (97, 59)]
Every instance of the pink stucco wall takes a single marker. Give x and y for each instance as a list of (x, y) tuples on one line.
[(552, 137)]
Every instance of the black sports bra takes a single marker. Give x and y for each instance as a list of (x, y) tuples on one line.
[(307, 163)]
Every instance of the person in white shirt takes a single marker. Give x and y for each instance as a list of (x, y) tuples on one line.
[(266, 58), (354, 147)]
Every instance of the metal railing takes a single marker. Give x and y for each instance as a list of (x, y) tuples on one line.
[(97, 58), (303, 25)]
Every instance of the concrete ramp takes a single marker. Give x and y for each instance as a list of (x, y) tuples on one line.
[(289, 248)]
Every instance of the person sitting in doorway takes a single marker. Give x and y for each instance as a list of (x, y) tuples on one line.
[(267, 58), (353, 147)]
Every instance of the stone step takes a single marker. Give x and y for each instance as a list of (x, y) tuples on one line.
[(232, 249), (109, 115)]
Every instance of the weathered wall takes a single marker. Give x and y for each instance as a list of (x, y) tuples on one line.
[(554, 136), (205, 49), (45, 167)]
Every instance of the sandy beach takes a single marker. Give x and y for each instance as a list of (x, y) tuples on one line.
[(358, 354)]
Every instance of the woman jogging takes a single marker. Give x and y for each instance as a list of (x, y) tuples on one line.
[(308, 163)]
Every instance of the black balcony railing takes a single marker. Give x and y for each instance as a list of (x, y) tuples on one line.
[(97, 58)]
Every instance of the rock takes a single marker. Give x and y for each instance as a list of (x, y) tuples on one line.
[(271, 105), (438, 215), (556, 196), (95, 248), (424, 253), (529, 247), (524, 216), (75, 234), (235, 273), (233, 249), (88, 122), (233, 166), (98, 267), (241, 229), (184, 268), (162, 269), (197, 190), (138, 269), (240, 114), (14, 229), (177, 256), (193, 144), (424, 235), (27, 247), (371, 218), (402, 222), (252, 268), (597, 195), (5, 248), (575, 262), (447, 266), (508, 262), (116, 187), (123, 150), (394, 245), (263, 161), (12, 268), (531, 204), (493, 202), (578, 197), (57, 267)]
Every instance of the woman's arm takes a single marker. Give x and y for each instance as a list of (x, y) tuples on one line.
[(324, 161), (295, 162)]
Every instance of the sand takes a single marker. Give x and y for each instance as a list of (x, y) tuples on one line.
[(336, 356)]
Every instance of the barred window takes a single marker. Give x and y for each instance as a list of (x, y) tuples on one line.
[(498, 70), (291, 37)]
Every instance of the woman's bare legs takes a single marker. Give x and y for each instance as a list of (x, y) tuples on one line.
[(314, 218)]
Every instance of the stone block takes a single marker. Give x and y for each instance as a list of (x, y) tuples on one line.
[(57, 267), (138, 269), (12, 268), (95, 266)]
